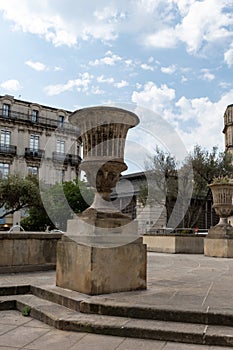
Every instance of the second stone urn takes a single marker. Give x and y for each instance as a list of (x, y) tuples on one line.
[(103, 134), (223, 205)]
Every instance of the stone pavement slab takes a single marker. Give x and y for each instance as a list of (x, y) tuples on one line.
[(179, 282), (31, 334)]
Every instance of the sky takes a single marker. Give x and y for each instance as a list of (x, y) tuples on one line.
[(172, 57)]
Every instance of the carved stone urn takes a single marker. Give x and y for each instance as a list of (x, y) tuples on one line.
[(223, 206), (82, 263), (103, 134)]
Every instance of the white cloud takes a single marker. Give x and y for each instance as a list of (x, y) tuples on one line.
[(206, 75), (11, 85), (228, 56), (146, 66), (208, 118), (121, 84), (110, 59), (102, 79), (95, 90), (205, 22), (81, 84), (197, 120), (198, 26), (36, 65), (165, 38), (184, 79), (169, 70), (156, 23), (183, 5), (154, 97)]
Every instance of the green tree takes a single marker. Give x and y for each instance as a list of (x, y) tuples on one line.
[(17, 193), (57, 204), (171, 182), (206, 164), (162, 184)]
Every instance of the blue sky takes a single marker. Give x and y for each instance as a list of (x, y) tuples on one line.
[(174, 57)]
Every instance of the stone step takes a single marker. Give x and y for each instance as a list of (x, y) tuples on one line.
[(109, 307), (64, 318)]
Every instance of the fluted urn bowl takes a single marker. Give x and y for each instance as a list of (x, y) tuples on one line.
[(103, 132), (222, 200)]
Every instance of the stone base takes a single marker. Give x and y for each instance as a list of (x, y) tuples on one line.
[(175, 244), (219, 242), (93, 270), (218, 247), (110, 226)]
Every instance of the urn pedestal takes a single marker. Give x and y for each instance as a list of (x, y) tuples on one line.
[(102, 251), (219, 241)]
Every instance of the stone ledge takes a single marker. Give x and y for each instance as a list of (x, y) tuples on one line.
[(28, 251), (218, 247), (185, 244)]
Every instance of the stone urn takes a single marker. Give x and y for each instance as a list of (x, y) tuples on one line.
[(223, 205), (103, 133)]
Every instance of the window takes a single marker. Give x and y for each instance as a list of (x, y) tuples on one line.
[(4, 170), (5, 138), (6, 110), (60, 146), (33, 170), (34, 142), (35, 115), (61, 175), (60, 121)]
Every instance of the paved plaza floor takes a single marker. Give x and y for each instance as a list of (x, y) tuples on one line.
[(179, 281), (19, 332)]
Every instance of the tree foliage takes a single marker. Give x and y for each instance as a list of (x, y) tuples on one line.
[(171, 181), (57, 205), (162, 185), (17, 193), (206, 165)]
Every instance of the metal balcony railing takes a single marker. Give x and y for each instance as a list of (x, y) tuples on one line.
[(75, 160), (8, 150), (40, 121), (64, 158), (34, 154), (60, 157)]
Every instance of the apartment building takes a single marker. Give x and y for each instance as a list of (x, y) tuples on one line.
[(37, 139), (228, 129)]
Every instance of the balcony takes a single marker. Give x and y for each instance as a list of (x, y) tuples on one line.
[(64, 158), (60, 157), (75, 160), (34, 154), (8, 150), (40, 121)]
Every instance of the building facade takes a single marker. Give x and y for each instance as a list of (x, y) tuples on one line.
[(228, 129), (37, 140)]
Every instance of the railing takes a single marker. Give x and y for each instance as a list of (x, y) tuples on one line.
[(8, 150), (60, 157), (41, 121), (75, 160), (30, 153), (64, 158)]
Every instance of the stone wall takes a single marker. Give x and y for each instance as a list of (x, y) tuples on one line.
[(186, 244), (28, 251)]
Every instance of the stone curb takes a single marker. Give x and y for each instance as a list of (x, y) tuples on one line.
[(111, 308), (65, 318)]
